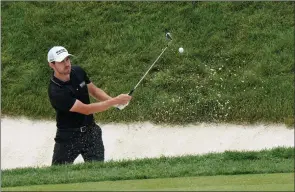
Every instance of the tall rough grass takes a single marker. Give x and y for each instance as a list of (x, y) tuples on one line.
[(238, 63)]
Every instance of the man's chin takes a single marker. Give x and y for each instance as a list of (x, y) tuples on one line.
[(67, 71)]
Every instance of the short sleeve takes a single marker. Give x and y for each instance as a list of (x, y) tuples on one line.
[(86, 78), (62, 100)]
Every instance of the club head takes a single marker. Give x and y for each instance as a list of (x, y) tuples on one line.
[(168, 36)]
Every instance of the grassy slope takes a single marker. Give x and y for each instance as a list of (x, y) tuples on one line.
[(257, 182), (237, 65), (277, 160)]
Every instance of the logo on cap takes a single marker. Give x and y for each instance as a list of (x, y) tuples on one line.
[(60, 51)]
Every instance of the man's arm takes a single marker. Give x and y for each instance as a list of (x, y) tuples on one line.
[(87, 109), (97, 93)]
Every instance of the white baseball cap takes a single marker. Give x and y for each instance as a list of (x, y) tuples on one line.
[(57, 53)]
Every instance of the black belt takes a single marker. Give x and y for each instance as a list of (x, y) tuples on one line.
[(79, 129)]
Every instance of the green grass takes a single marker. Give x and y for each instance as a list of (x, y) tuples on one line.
[(277, 160), (253, 182), (237, 65)]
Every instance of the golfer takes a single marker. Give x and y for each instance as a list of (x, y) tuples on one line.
[(68, 91)]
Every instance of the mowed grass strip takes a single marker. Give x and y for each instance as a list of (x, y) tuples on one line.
[(255, 182), (277, 160)]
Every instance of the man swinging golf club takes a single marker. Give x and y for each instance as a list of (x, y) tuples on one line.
[(68, 91)]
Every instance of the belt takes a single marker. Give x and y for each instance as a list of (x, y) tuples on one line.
[(79, 129)]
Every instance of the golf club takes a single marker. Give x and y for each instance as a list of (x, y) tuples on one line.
[(169, 38)]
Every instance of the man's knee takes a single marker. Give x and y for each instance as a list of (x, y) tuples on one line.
[(64, 154), (94, 151)]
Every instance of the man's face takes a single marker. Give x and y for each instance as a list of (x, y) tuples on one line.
[(63, 67)]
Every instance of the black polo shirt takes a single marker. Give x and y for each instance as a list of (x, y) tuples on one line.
[(63, 95)]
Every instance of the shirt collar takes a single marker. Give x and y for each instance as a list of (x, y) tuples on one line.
[(57, 80)]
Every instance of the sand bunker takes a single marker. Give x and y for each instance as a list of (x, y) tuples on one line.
[(27, 143)]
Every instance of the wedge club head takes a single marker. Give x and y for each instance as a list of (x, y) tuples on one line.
[(168, 36)]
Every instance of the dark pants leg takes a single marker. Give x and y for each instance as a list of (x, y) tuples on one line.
[(93, 149), (64, 153)]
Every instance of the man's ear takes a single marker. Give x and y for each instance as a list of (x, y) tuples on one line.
[(51, 65)]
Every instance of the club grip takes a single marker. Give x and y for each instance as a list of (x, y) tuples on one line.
[(131, 92)]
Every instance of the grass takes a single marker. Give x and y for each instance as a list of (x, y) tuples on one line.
[(253, 182), (276, 160), (237, 67), (238, 63)]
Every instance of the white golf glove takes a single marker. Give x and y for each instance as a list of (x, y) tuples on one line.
[(121, 107)]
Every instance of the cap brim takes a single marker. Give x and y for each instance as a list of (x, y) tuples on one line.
[(62, 57)]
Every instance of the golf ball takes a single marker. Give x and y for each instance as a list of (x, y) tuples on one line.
[(180, 50)]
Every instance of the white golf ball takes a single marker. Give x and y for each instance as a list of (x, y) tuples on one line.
[(180, 50)]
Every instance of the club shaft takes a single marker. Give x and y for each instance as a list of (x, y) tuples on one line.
[(147, 71)]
